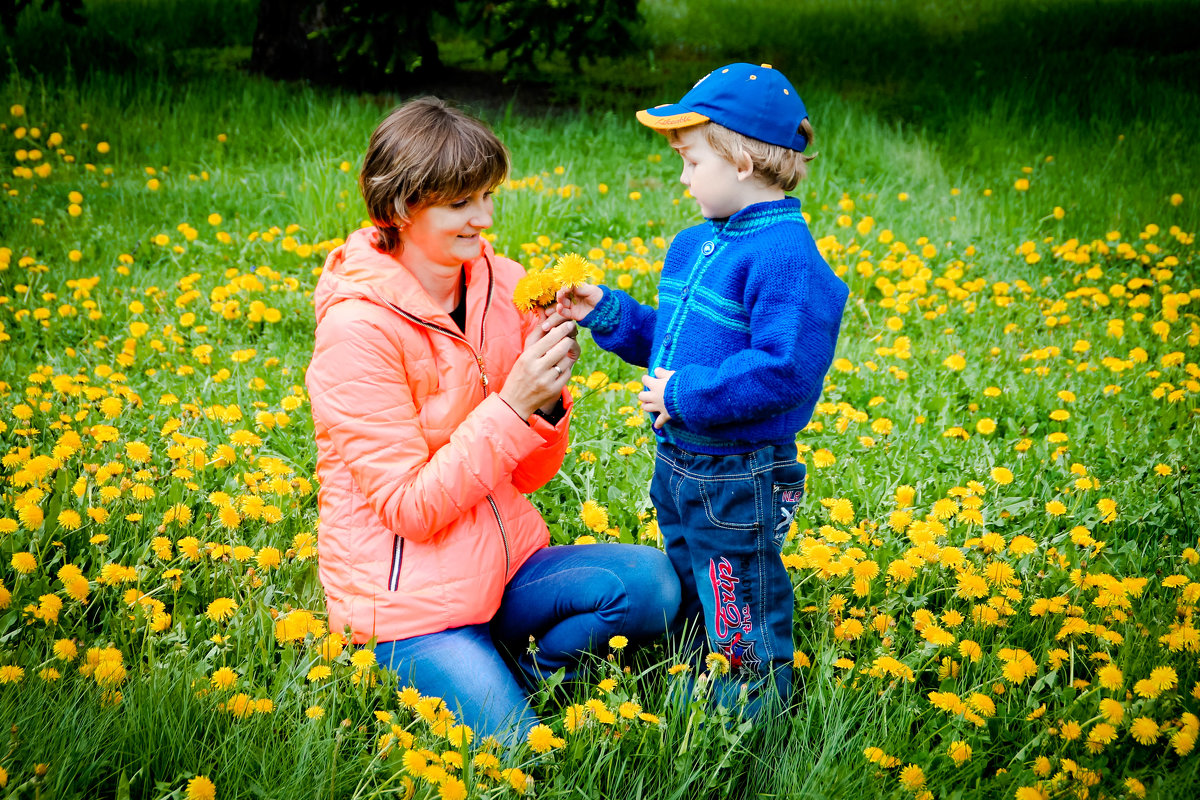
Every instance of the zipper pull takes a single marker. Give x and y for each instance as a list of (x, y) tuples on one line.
[(483, 376)]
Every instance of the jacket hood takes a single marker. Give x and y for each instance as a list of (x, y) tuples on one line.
[(359, 270)]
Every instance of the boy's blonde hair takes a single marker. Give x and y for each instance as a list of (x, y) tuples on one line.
[(426, 153), (773, 164)]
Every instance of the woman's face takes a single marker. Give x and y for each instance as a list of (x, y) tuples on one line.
[(448, 234)]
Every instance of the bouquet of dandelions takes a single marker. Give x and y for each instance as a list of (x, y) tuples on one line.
[(537, 290)]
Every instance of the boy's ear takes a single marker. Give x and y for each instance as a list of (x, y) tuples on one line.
[(744, 165)]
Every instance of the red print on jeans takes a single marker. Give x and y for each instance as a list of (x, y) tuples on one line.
[(727, 616)]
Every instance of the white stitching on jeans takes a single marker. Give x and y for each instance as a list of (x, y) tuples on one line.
[(728, 526)]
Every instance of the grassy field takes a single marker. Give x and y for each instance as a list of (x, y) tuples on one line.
[(996, 566)]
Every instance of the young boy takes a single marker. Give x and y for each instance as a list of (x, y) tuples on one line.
[(736, 354)]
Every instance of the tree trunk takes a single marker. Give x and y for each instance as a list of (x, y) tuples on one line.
[(283, 48)]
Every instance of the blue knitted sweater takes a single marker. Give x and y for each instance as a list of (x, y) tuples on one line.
[(748, 316)]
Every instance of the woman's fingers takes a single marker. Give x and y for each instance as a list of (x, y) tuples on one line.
[(554, 319), (540, 345)]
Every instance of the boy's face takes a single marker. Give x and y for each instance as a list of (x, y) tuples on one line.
[(712, 180)]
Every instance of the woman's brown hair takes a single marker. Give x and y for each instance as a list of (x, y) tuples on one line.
[(426, 153)]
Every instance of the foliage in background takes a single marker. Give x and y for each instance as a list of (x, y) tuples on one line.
[(71, 11), (378, 43), (531, 34)]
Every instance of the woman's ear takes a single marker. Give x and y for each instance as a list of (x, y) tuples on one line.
[(399, 218)]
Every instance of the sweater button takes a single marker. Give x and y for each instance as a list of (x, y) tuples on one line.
[(684, 291), (707, 248)]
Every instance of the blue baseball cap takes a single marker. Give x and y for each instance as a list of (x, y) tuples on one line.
[(755, 101)]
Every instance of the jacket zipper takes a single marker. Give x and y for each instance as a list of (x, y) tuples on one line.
[(397, 558), (397, 552), (484, 381), (503, 534)]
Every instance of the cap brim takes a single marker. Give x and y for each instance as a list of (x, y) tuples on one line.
[(669, 117)]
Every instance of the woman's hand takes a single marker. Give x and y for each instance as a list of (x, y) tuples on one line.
[(579, 301), (543, 368)]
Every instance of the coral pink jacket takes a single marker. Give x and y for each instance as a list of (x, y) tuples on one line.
[(421, 465)]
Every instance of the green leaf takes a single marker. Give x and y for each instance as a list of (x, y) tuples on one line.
[(122, 787)]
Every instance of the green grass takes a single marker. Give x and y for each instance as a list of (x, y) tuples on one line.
[(943, 104)]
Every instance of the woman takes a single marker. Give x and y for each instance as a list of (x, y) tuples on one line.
[(437, 405)]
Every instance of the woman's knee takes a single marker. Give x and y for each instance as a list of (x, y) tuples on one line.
[(463, 667), (653, 587)]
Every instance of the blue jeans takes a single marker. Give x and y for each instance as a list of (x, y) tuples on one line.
[(724, 520), (571, 599)]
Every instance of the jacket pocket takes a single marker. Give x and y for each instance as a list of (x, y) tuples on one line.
[(393, 583)]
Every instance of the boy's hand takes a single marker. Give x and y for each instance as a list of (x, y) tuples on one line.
[(579, 301), (653, 397)]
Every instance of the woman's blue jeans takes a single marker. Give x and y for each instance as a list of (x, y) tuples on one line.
[(570, 600)]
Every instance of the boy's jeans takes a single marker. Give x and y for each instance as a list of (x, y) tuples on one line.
[(571, 599), (724, 520)]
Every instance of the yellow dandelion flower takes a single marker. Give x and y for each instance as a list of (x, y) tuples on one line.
[(10, 673), (518, 780), (223, 678), (1102, 733), (201, 788), (1164, 678), (363, 659), (23, 562), (221, 609), (1002, 476), (65, 650), (1030, 793), (408, 697), (1112, 710), (542, 739), (823, 458), (228, 517), (959, 751), (240, 705), (1144, 730), (842, 511), (1110, 677), (716, 663), (453, 789), (571, 270), (912, 777), (594, 516)]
